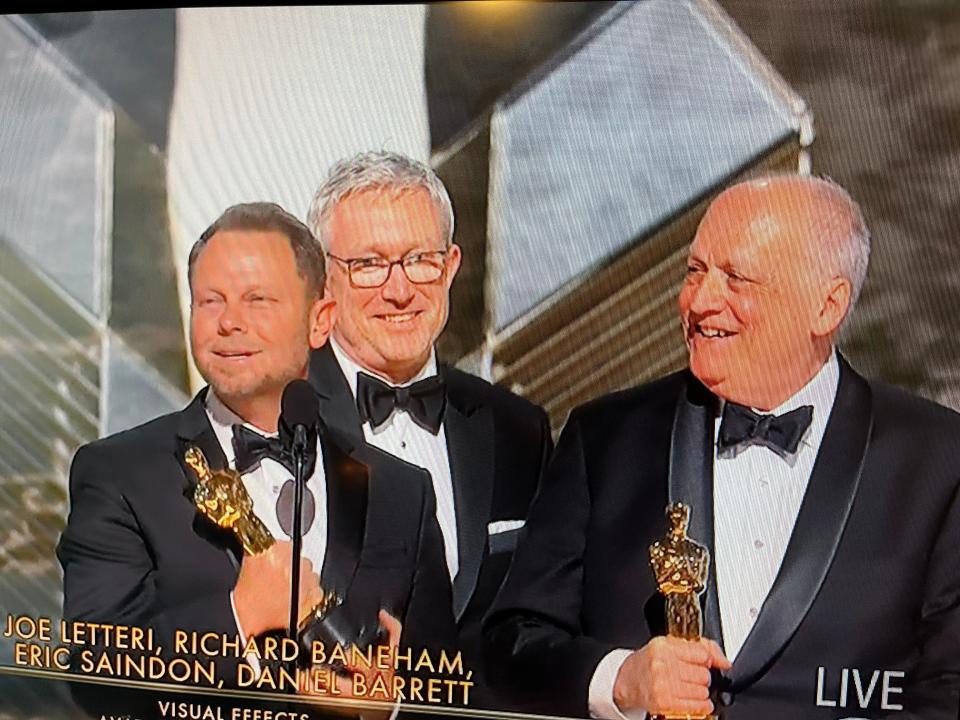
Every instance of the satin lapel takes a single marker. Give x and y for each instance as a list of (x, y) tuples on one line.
[(347, 495), (819, 527), (470, 443), (195, 431), (338, 409), (691, 482)]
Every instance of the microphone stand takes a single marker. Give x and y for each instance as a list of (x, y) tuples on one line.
[(298, 450), (299, 413)]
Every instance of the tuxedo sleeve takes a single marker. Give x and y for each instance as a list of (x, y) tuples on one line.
[(536, 652), (109, 568), (933, 691)]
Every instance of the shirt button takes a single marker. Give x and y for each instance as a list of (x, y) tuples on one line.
[(403, 444), (758, 544), (754, 612)]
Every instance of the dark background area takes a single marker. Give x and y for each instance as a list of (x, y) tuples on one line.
[(476, 53), (882, 78), (130, 55), (883, 81)]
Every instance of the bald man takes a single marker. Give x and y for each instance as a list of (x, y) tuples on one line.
[(829, 504)]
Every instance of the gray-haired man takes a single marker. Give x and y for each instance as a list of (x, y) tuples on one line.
[(830, 504), (386, 224)]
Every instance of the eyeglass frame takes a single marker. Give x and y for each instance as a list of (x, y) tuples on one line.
[(390, 263)]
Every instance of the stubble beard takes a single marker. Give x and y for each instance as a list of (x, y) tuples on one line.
[(248, 386)]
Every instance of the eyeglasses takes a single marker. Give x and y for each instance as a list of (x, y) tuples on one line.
[(372, 272)]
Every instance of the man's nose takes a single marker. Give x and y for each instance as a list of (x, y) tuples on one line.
[(708, 295), (397, 289), (232, 319)]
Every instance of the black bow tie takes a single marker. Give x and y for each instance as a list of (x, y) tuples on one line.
[(424, 401), (740, 425), (251, 447)]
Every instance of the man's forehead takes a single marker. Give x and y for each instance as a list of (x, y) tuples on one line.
[(385, 203), (245, 255), (374, 214), (755, 219)]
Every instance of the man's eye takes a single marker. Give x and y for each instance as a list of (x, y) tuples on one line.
[(368, 263), (432, 259)]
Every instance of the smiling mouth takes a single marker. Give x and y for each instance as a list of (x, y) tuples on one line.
[(711, 333), (234, 354), (399, 318)]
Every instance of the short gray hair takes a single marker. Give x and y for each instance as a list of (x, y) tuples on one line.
[(841, 223), (379, 171), (845, 228)]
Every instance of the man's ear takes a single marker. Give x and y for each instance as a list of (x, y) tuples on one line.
[(834, 308), (322, 316), (454, 256)]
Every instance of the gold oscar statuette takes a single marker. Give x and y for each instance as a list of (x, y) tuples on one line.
[(680, 566), (222, 498)]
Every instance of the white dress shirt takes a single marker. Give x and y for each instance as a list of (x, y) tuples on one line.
[(757, 494), (756, 499), (264, 481), (402, 437)]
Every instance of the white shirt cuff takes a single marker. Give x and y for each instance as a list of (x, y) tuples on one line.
[(600, 693), (251, 658)]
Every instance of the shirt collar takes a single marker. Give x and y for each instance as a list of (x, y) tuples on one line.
[(222, 419), (820, 392), (351, 368)]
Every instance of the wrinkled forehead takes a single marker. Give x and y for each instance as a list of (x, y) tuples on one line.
[(245, 257), (370, 218), (771, 220)]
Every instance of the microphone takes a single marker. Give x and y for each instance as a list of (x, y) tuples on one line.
[(299, 412)]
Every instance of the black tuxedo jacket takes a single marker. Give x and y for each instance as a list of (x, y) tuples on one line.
[(136, 551), (870, 579), (498, 445)]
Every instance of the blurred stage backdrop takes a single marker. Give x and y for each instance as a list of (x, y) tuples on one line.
[(581, 143)]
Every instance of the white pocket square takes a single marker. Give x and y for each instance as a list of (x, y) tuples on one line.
[(502, 526)]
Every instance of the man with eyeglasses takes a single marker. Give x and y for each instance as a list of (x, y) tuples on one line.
[(137, 552), (386, 224)]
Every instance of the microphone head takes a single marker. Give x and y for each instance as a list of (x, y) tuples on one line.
[(299, 405)]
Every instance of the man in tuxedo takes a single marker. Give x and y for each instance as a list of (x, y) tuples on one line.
[(829, 503), (136, 551), (386, 224)]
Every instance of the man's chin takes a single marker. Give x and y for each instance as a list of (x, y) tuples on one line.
[(711, 374), (405, 347), (405, 360), (235, 388), (229, 397)]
